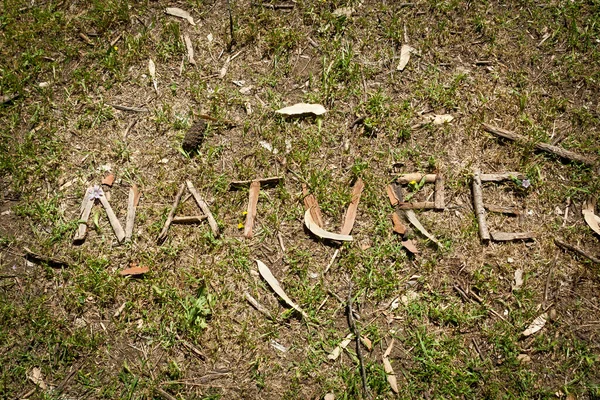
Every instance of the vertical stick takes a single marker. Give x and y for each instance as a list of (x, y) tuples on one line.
[(204, 207), (114, 221), (86, 209), (165, 229), (478, 207), (352, 208), (251, 212), (134, 197), (439, 192)]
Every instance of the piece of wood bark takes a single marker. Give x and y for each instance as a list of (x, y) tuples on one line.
[(86, 209), (190, 49), (392, 195), (112, 218), (502, 209), (419, 205), (509, 236), (350, 216), (163, 234), (484, 233), (559, 151), (410, 246), (132, 202), (417, 177), (574, 249), (188, 220), (109, 180), (130, 109), (204, 207), (253, 193), (37, 258), (399, 227), (264, 182), (504, 176), (310, 203), (259, 307), (439, 192)]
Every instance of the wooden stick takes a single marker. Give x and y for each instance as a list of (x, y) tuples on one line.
[(484, 233), (165, 229), (352, 208), (310, 203), (509, 236), (112, 218), (419, 205), (259, 307), (251, 211), (505, 176), (559, 151), (264, 182), (439, 192), (356, 332), (204, 207), (194, 219), (574, 249), (502, 209), (38, 259), (134, 198), (417, 177), (131, 109), (86, 209)]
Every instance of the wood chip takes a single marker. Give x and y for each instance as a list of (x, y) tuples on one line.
[(265, 272), (302, 109), (178, 12), (253, 193), (410, 246), (412, 218), (350, 216), (320, 232), (311, 204), (405, 51), (190, 49), (134, 271), (536, 325), (392, 195), (399, 227), (109, 180), (510, 236)]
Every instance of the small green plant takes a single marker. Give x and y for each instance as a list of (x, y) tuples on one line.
[(198, 309)]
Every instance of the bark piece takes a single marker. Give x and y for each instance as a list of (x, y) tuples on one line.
[(410, 246), (109, 180), (204, 207), (264, 182), (190, 49), (588, 215), (188, 220), (86, 209), (417, 177), (253, 193), (352, 208), (163, 234), (310, 203), (134, 198), (37, 258), (399, 227), (439, 192), (509, 236), (502, 209), (419, 205), (320, 232), (484, 233), (179, 13), (112, 218), (302, 109), (134, 271), (504, 176), (392, 195), (559, 151)]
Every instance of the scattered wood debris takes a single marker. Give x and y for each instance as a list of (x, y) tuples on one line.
[(387, 366), (394, 193), (505, 176), (511, 236), (301, 109), (484, 233), (204, 207), (320, 232), (86, 209), (112, 218), (415, 177), (163, 233), (253, 193), (536, 325), (559, 151), (265, 272), (502, 210), (399, 227), (179, 13), (189, 220)]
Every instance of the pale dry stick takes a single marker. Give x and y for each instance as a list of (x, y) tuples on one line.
[(438, 199), (190, 49), (204, 207), (259, 307), (559, 151), (350, 216), (112, 218), (335, 254), (417, 177), (280, 239), (419, 205), (510, 236), (504, 176), (164, 394), (163, 234), (129, 128), (86, 209), (189, 220), (134, 197), (478, 208), (566, 212), (253, 193)]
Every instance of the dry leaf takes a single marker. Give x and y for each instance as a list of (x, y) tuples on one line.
[(119, 310), (190, 49), (329, 396), (133, 271), (387, 366), (412, 218), (518, 279), (265, 272), (152, 71), (410, 246), (404, 56), (367, 342), (536, 325), (590, 218), (178, 12), (320, 232), (36, 377), (303, 109), (399, 227), (109, 180), (441, 119), (335, 353)]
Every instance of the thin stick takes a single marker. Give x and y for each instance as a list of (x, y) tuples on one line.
[(190, 49), (131, 109), (164, 394), (194, 219), (232, 42), (559, 151), (280, 239), (505, 176), (566, 212), (439, 192), (352, 208), (582, 253), (356, 332), (391, 195), (204, 207), (510, 236), (38, 259), (335, 254), (549, 276), (502, 209), (129, 127), (165, 229), (259, 307), (417, 177), (484, 233), (112, 218), (251, 211), (419, 205), (134, 198), (86, 209)]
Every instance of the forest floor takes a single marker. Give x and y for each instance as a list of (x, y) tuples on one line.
[(456, 312)]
